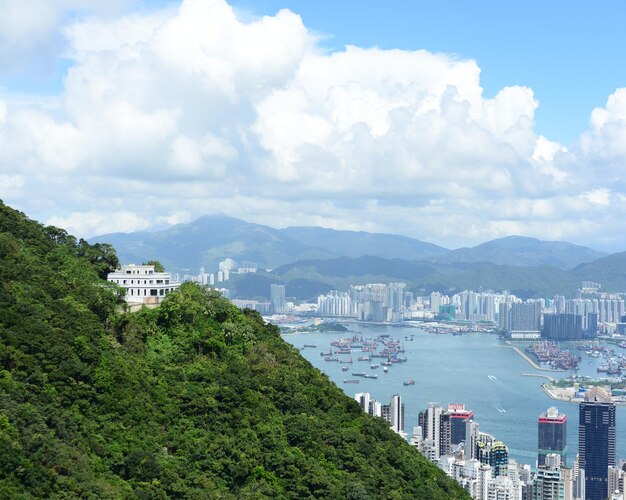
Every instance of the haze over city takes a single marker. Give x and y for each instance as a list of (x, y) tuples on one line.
[(454, 124)]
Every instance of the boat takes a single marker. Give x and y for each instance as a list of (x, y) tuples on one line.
[(364, 358), (349, 360), (370, 376), (358, 374), (409, 382), (373, 367), (311, 345), (327, 354), (350, 381), (385, 369), (331, 358), (344, 368)]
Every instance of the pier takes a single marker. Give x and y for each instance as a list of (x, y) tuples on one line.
[(540, 375), (529, 360)]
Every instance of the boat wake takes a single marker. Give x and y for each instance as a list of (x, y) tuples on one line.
[(501, 410), (492, 378)]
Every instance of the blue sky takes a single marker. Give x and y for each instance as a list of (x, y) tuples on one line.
[(453, 122), (571, 53)]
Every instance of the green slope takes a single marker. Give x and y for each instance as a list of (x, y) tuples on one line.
[(194, 399), (524, 251)]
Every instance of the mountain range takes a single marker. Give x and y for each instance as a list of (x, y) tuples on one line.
[(210, 239), (312, 260)]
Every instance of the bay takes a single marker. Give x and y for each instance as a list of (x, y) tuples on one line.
[(470, 369)]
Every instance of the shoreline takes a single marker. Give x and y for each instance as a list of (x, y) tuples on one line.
[(569, 399), (529, 360)]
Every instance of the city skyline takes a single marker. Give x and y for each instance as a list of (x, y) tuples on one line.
[(135, 115)]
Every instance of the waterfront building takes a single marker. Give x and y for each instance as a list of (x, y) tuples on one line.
[(562, 326), (277, 295), (525, 317), (143, 285), (435, 302), (596, 441), (552, 435), (459, 417), (335, 303), (261, 307)]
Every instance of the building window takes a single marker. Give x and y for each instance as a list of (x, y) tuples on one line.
[(153, 292)]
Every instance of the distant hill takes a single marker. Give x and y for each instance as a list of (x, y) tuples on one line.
[(212, 238), (208, 240), (609, 271), (359, 243), (524, 251)]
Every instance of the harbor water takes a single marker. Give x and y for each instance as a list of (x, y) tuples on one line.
[(470, 369)]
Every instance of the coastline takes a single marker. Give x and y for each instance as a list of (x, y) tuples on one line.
[(549, 391)]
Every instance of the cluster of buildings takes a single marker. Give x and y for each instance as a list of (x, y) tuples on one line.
[(371, 302), (452, 439), (558, 318), (225, 269), (554, 319), (392, 413)]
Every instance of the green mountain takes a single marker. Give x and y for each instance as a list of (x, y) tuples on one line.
[(193, 399), (609, 271), (210, 239), (523, 251), (525, 282), (359, 243)]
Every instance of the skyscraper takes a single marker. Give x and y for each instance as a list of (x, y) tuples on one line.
[(397, 413), (459, 416), (277, 293), (394, 413), (552, 435), (596, 441)]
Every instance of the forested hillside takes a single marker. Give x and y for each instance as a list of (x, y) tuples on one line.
[(194, 399)]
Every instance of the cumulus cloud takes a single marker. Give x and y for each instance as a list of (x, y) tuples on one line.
[(170, 114)]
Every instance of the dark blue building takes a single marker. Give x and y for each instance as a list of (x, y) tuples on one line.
[(562, 326), (596, 441)]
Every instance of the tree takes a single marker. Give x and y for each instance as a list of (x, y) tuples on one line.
[(158, 267)]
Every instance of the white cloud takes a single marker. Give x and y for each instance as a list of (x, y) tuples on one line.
[(170, 114), (91, 222)]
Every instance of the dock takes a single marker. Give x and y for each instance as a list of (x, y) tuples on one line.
[(528, 359)]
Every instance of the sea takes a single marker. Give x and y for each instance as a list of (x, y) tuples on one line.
[(471, 369)]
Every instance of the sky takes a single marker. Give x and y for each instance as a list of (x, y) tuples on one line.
[(451, 122)]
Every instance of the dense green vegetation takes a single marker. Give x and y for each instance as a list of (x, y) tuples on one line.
[(194, 399)]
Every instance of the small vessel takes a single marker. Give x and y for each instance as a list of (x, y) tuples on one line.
[(385, 369), (358, 374), (364, 358), (311, 345), (344, 368), (370, 376), (373, 367), (331, 358), (349, 360), (409, 382), (349, 381)]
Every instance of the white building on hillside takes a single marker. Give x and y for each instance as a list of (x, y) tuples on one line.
[(143, 284)]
